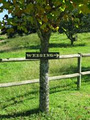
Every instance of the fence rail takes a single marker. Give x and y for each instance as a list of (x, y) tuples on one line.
[(60, 57), (78, 75)]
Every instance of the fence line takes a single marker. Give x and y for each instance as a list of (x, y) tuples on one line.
[(60, 57), (78, 75), (37, 80)]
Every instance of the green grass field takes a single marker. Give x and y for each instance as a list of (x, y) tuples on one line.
[(66, 102)]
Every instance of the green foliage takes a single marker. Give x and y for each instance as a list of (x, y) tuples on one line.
[(85, 26), (70, 28), (76, 23), (45, 15), (11, 29)]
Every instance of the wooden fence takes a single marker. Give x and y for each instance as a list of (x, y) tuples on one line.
[(78, 74)]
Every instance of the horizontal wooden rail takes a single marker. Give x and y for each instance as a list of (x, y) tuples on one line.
[(86, 55), (25, 82), (16, 60), (60, 57), (64, 76), (69, 56), (78, 75), (85, 73)]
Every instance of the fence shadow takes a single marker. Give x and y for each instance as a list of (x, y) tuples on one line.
[(22, 114), (54, 89), (85, 69), (32, 111), (86, 78), (51, 45), (20, 48), (59, 88), (17, 100), (56, 45)]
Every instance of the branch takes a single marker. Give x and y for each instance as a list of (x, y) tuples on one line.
[(53, 8)]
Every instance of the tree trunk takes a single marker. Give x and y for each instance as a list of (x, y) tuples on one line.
[(44, 82), (70, 36), (72, 42)]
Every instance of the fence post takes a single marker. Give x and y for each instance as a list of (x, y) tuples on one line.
[(79, 71)]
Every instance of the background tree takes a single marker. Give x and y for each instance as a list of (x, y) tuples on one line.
[(70, 29), (76, 23), (11, 30), (71, 25), (46, 16), (85, 26)]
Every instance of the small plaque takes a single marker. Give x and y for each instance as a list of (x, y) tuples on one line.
[(38, 55)]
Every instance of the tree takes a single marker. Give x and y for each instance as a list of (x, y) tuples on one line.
[(85, 26), (70, 29), (46, 16), (76, 23), (11, 30), (71, 26)]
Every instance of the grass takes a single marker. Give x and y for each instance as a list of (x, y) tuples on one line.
[(3, 37), (66, 103)]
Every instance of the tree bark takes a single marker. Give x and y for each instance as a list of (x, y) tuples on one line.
[(44, 82), (72, 42)]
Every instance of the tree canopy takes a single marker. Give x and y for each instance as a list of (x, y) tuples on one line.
[(44, 14)]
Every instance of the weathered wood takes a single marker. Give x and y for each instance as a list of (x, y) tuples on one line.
[(44, 68), (24, 59), (37, 80), (79, 56), (60, 57), (64, 76), (16, 60), (69, 56), (18, 83), (86, 55), (79, 71), (85, 73)]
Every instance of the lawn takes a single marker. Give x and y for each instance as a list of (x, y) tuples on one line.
[(66, 103)]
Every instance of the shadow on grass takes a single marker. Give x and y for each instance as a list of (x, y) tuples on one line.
[(20, 48), (54, 89), (32, 111), (56, 45), (74, 69), (64, 70), (85, 69), (17, 100), (59, 88), (20, 114), (51, 45), (86, 78)]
